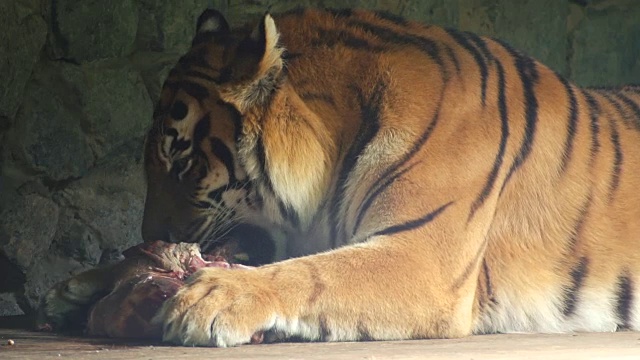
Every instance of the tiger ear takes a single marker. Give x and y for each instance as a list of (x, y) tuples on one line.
[(212, 22), (258, 66)]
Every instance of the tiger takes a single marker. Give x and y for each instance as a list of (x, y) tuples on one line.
[(430, 183)]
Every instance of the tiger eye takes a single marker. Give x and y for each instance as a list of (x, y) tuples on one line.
[(179, 110)]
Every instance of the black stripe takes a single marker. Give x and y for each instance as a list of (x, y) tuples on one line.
[(488, 284), (528, 74), (179, 145), (201, 204), (371, 197), (318, 97), (169, 131), (427, 46), (370, 113), (331, 38), (258, 199), (634, 108), (360, 44), (457, 284), (197, 91), (203, 169), (632, 88), (236, 118), (200, 75), (222, 152), (413, 224), (572, 124), (453, 57), (283, 210), (393, 18), (465, 40), (617, 159), (288, 57), (341, 13), (625, 301), (216, 194), (481, 45), (408, 155), (224, 75), (609, 95), (319, 286), (578, 274), (363, 332), (197, 57), (196, 227), (504, 136), (594, 117), (325, 331), (577, 229), (264, 176), (202, 129), (289, 214)]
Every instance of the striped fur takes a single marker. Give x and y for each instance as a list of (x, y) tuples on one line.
[(432, 184)]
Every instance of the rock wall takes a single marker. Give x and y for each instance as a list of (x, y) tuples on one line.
[(80, 79)]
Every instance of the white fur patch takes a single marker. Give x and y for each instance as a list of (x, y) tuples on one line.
[(523, 312), (595, 312), (635, 313)]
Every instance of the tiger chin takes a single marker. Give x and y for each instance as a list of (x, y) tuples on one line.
[(431, 183)]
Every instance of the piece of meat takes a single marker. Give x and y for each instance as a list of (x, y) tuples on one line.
[(120, 300), (126, 312)]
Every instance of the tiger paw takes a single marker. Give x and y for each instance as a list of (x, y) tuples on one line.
[(220, 307), (65, 305)]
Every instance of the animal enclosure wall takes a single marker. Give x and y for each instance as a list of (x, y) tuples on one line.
[(80, 79)]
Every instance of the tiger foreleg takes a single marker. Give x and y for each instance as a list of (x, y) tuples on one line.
[(372, 291)]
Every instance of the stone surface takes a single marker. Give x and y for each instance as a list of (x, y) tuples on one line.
[(74, 115), (91, 29), (13, 278), (606, 44), (9, 305), (104, 209), (27, 229), (21, 40), (48, 135), (116, 105)]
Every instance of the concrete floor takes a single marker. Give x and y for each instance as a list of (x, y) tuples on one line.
[(622, 345)]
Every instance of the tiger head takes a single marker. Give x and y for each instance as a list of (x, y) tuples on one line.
[(198, 189)]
